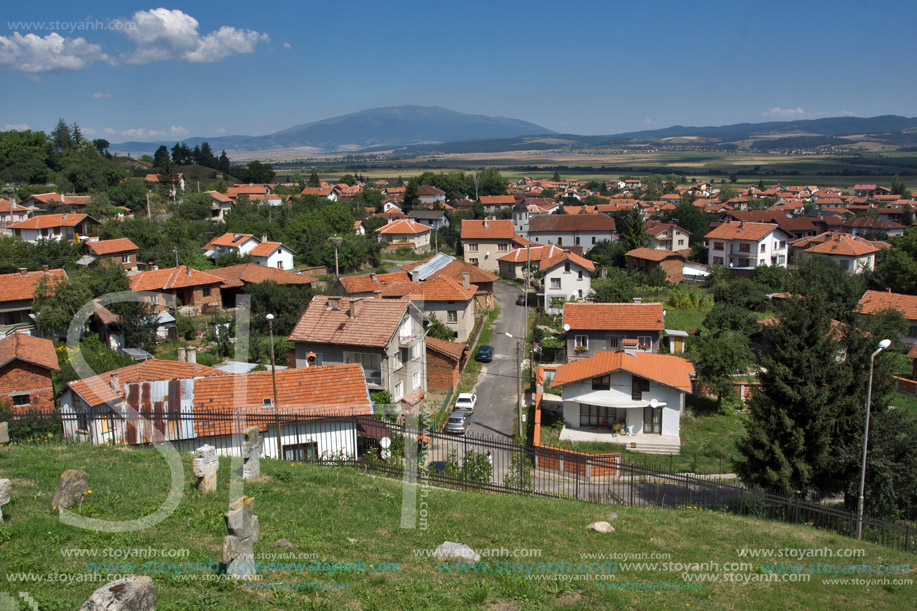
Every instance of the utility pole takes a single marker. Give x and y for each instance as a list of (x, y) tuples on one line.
[(175, 250), (519, 389), (148, 204), (270, 329)]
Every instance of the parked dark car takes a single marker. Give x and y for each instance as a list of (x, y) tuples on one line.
[(485, 354), (520, 300)]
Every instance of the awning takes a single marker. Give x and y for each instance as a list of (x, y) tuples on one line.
[(372, 429)]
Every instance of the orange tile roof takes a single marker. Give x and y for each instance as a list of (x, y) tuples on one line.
[(230, 240), (741, 231), (571, 222), (438, 288), (454, 350), (374, 324), (456, 269), (534, 254), (238, 190), (614, 316), (307, 391), (21, 287), (108, 247), (873, 302), (653, 254), (366, 284), (30, 349), (97, 389), (7, 207), (265, 249), (405, 227), (46, 221), (843, 244), (497, 200), (494, 230), (235, 276), (223, 199), (665, 369), (171, 278), (547, 264)]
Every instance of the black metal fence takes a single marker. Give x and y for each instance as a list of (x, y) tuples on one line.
[(452, 461)]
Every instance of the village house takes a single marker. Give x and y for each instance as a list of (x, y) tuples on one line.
[(875, 302), (407, 233), (667, 236), (236, 277), (429, 194), (625, 396), (747, 245), (195, 291), (326, 192), (179, 182), (385, 336), (220, 204), (583, 230), (40, 202), (68, 226), (239, 190), (512, 264), (370, 285), (272, 254), (494, 203), (239, 244), (450, 302), (26, 364), (854, 254), (865, 225), (120, 251), (566, 277), (485, 241), (450, 267), (11, 213), (434, 219), (16, 293), (648, 259), (445, 361), (591, 328)]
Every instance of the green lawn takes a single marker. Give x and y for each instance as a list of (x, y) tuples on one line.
[(341, 516), (903, 401), (685, 319)]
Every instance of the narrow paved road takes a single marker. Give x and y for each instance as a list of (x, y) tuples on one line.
[(497, 384)]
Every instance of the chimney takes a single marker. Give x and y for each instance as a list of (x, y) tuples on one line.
[(181, 355), (188, 271), (373, 277), (192, 355), (23, 272), (355, 306), (45, 268), (115, 382), (466, 279), (334, 303), (485, 223), (64, 217), (264, 237), (415, 275), (629, 346), (638, 299)]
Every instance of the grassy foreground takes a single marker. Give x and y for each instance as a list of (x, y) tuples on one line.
[(344, 516)]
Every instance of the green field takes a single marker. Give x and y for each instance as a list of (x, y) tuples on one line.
[(342, 516)]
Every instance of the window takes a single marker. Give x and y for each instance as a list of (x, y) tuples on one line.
[(601, 382), (397, 363), (503, 247), (912, 332), (577, 240), (744, 247), (125, 258), (415, 380), (593, 239), (472, 247), (580, 275), (595, 415), (301, 452), (681, 242), (581, 341), (206, 292), (280, 265), (406, 328), (267, 402), (560, 241), (764, 248), (717, 260), (645, 342), (398, 395), (372, 365), (473, 262), (416, 351), (555, 283), (580, 293), (20, 400), (638, 387), (717, 246), (452, 316)]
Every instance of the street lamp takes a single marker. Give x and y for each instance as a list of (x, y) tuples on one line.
[(519, 379), (270, 329), (885, 343), (336, 240)]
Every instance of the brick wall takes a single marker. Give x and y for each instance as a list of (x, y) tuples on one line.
[(19, 377), (442, 373)]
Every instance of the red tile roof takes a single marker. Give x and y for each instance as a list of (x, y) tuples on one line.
[(653, 254), (873, 302), (236, 276), (223, 199), (21, 287), (46, 221), (456, 269), (487, 230), (571, 222), (7, 207), (843, 244), (366, 284), (308, 391), (265, 249), (110, 247), (614, 316), (497, 200), (405, 227), (437, 288), (534, 254), (547, 264), (30, 349), (429, 190), (665, 369), (741, 231), (97, 389), (454, 350), (374, 323), (172, 278), (230, 240)]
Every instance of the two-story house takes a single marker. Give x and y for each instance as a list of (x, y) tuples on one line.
[(485, 241), (434, 219), (406, 232), (566, 277), (748, 245), (237, 243), (220, 204), (875, 302), (429, 194), (68, 226), (512, 264), (598, 327), (583, 230), (16, 293), (386, 336), (120, 251), (11, 213), (443, 265), (667, 236), (195, 290), (26, 364), (853, 253), (451, 302), (272, 254)]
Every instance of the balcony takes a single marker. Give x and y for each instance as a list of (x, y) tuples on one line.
[(407, 340), (374, 378)]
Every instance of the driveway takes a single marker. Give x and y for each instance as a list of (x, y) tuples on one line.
[(497, 384)]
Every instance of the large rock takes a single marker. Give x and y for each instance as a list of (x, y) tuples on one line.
[(5, 488), (239, 545), (205, 466), (128, 594), (4, 432), (601, 527), (73, 486), (456, 551)]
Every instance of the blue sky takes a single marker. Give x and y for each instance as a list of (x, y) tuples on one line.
[(138, 71)]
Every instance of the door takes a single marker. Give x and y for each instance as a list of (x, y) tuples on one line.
[(652, 420)]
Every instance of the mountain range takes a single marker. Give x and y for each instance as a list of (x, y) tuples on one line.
[(416, 130)]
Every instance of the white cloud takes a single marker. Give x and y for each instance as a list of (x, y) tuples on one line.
[(33, 54), (287, 45), (178, 130), (161, 34), (648, 121), (88, 131), (142, 133), (19, 127), (798, 113), (221, 130), (109, 130), (100, 96)]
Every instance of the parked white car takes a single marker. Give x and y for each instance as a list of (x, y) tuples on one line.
[(466, 402)]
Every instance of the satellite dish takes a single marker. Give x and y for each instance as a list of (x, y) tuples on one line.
[(386, 454), (567, 327), (654, 403), (385, 442)]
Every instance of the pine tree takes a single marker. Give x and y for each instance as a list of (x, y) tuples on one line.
[(556, 177), (314, 180), (634, 234), (411, 199), (62, 137), (160, 157), (789, 438)]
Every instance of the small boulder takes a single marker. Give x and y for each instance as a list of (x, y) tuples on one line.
[(129, 594), (73, 486), (283, 543), (612, 517), (601, 527), (455, 551)]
